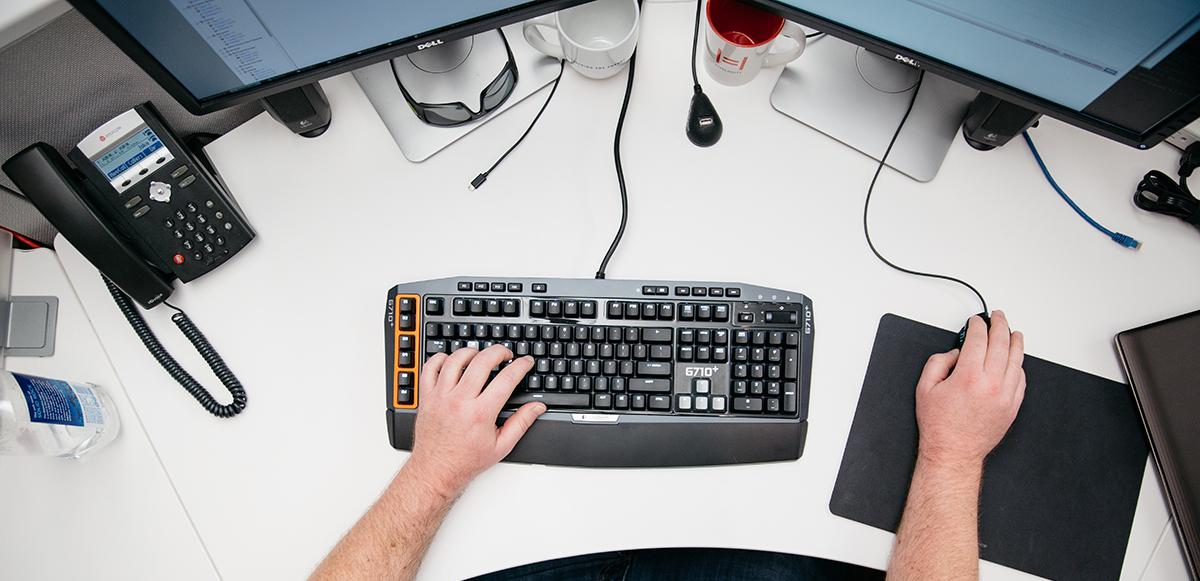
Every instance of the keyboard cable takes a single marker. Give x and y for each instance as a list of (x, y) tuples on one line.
[(867, 204), (620, 173)]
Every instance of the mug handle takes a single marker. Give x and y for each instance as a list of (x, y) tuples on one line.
[(794, 32), (534, 37)]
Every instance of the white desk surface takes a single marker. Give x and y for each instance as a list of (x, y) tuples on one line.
[(342, 218), (111, 515)]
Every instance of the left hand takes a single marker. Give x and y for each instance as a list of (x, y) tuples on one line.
[(456, 438)]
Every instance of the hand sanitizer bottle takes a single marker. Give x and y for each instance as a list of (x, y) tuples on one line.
[(48, 417)]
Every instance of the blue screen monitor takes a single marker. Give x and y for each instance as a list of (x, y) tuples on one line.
[(1128, 70), (212, 54)]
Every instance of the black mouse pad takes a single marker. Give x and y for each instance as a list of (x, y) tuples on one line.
[(1060, 490)]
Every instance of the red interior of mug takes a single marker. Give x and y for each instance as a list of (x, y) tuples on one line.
[(742, 25)]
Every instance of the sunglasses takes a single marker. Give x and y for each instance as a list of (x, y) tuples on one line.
[(452, 114)]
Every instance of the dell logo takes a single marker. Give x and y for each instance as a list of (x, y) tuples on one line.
[(908, 61), (429, 44)]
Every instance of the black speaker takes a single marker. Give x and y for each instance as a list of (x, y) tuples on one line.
[(992, 122), (304, 110)]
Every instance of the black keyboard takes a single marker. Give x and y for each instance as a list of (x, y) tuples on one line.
[(633, 373)]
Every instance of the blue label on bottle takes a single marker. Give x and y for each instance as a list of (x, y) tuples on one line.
[(50, 401)]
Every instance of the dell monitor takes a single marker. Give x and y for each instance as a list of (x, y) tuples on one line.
[(212, 54), (1128, 70)]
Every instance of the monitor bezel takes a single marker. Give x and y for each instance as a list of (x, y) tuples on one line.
[(112, 29), (1155, 135)]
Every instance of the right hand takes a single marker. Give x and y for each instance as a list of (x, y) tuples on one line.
[(962, 414)]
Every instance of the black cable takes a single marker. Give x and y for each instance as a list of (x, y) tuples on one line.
[(695, 42), (1158, 193), (479, 179), (620, 172), (172, 367), (867, 204)]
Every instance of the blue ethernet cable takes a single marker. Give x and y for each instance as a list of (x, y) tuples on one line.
[(1122, 239)]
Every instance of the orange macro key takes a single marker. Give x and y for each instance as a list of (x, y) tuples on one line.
[(405, 373)]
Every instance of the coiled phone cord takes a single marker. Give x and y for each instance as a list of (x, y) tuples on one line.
[(172, 367)]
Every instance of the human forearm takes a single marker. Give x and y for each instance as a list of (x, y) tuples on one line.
[(455, 439), (938, 537), (390, 540)]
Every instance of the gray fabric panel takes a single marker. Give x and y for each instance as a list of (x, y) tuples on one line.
[(64, 80)]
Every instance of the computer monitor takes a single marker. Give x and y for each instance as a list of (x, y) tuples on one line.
[(212, 54), (1128, 70)]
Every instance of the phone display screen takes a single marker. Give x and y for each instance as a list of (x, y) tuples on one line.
[(119, 158)]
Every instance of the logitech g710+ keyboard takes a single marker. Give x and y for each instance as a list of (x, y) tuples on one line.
[(633, 373)]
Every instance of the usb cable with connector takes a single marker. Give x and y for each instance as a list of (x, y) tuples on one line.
[(479, 179)]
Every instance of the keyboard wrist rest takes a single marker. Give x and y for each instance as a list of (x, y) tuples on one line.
[(637, 440)]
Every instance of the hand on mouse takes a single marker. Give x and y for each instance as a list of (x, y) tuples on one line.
[(966, 400)]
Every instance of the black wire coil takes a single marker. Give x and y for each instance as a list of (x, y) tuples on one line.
[(172, 367), (1158, 193)]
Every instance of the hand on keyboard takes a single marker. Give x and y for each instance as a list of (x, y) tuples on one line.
[(456, 437)]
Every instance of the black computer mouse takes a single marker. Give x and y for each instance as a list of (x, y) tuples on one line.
[(704, 125), (962, 334)]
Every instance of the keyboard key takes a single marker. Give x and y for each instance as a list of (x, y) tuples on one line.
[(657, 335), (602, 401), (653, 368), (649, 385), (683, 403), (747, 404), (660, 402), (553, 400), (718, 404)]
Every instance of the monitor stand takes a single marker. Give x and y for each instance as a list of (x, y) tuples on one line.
[(859, 98), (417, 140)]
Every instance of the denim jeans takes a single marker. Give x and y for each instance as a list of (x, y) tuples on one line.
[(686, 565)]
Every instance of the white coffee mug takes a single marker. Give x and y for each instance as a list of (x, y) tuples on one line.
[(597, 38), (741, 40)]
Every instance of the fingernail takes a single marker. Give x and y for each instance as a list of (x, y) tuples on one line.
[(528, 358), (540, 408)]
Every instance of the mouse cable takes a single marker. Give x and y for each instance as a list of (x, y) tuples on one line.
[(867, 204), (1122, 239), (620, 172), (479, 179), (1158, 193)]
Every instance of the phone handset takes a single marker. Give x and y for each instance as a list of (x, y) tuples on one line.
[(144, 212)]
